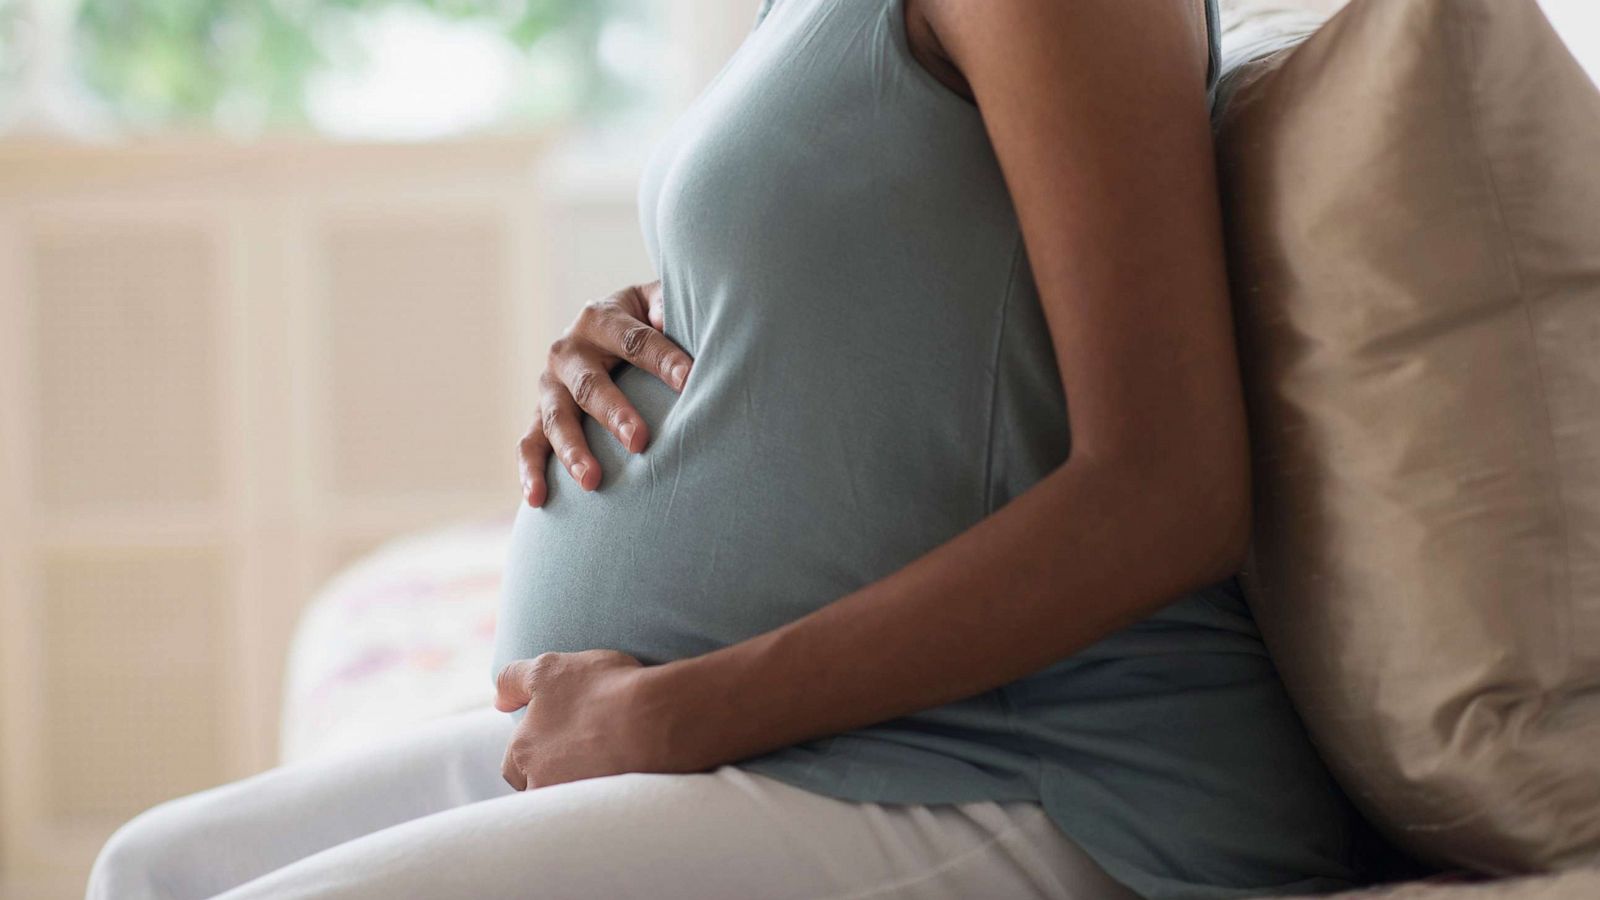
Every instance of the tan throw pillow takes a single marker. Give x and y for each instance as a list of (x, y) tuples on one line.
[(1413, 204)]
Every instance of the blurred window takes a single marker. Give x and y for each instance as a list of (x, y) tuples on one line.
[(1578, 21), (378, 69)]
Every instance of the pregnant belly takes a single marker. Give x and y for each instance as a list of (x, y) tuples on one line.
[(757, 501)]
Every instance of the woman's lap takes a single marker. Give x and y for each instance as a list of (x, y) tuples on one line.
[(427, 815), (205, 843)]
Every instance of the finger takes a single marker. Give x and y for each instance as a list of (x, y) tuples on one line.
[(533, 452), (592, 389), (563, 429), (513, 686), (512, 773), (656, 298), (629, 338)]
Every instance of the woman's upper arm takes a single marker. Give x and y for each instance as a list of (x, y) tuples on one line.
[(1097, 113)]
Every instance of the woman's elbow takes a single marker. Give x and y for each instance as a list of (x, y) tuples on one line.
[(1234, 530), (1221, 511), (1197, 496)]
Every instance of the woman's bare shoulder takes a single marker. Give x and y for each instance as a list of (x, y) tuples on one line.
[(927, 21)]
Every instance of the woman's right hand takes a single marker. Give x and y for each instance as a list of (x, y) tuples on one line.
[(626, 327)]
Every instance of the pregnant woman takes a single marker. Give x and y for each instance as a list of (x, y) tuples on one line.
[(822, 597)]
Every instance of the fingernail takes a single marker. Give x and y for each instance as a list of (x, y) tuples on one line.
[(680, 374), (578, 471), (626, 431)]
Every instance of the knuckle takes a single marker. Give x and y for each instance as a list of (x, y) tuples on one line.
[(544, 666), (550, 418), (585, 386), (559, 348), (590, 315), (636, 338), (596, 313)]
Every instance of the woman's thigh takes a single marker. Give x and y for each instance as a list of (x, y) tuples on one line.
[(206, 843), (721, 834)]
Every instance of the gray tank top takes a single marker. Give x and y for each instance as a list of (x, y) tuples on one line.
[(874, 375)]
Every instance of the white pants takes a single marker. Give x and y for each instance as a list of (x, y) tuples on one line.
[(428, 815)]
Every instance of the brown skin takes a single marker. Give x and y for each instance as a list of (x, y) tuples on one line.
[(577, 379), (1097, 115)]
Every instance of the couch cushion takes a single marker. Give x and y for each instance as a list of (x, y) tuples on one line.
[(1413, 205)]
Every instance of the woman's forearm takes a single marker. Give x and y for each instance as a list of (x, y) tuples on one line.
[(1085, 552)]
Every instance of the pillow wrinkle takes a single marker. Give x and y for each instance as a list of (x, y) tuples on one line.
[(1413, 215)]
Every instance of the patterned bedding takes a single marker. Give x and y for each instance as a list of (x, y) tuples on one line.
[(403, 635)]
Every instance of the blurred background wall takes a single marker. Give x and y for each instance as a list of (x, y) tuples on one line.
[(276, 281)]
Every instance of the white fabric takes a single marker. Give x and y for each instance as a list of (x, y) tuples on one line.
[(426, 814), (402, 636)]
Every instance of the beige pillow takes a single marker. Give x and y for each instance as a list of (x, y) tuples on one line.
[(1413, 204)]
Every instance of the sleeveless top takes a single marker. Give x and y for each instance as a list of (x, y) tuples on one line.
[(873, 375)]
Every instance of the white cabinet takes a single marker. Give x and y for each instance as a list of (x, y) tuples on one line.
[(224, 372)]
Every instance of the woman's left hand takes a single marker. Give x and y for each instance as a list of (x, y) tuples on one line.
[(586, 718)]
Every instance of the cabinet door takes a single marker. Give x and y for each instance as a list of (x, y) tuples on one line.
[(116, 516)]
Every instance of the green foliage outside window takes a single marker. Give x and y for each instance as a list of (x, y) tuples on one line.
[(164, 62)]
